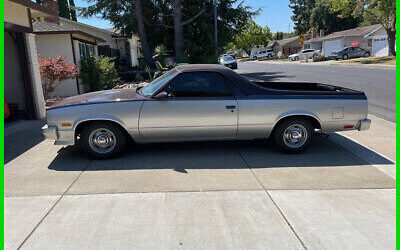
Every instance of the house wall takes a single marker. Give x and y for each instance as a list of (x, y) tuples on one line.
[(314, 45), (35, 75), (54, 45), (16, 14)]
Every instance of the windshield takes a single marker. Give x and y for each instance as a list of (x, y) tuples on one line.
[(158, 82), (227, 58)]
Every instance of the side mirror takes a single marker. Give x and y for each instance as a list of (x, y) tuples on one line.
[(162, 95)]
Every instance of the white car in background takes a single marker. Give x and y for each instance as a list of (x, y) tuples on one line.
[(263, 54), (305, 53)]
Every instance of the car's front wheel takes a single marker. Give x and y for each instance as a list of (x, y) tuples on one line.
[(345, 57), (367, 54), (294, 135), (103, 140)]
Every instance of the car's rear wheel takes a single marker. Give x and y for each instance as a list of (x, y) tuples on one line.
[(103, 140), (345, 57), (367, 54), (296, 58), (293, 135), (255, 58)]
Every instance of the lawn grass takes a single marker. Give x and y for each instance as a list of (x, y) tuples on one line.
[(386, 60)]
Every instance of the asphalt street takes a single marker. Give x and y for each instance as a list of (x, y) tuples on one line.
[(378, 83)]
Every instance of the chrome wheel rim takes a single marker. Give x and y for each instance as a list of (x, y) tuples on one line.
[(102, 140), (295, 136)]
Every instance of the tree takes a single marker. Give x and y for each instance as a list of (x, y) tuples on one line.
[(330, 20), (158, 20), (252, 35), (302, 10), (178, 28), (142, 33), (375, 11), (55, 69), (72, 10), (63, 9)]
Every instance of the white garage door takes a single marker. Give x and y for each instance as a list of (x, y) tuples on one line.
[(380, 46), (331, 46)]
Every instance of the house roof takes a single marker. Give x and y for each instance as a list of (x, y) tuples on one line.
[(359, 31), (107, 31), (43, 27), (36, 7), (271, 44), (287, 40)]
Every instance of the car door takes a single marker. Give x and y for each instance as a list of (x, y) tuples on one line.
[(200, 106), (358, 52)]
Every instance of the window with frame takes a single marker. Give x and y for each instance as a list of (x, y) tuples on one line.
[(86, 50), (199, 84)]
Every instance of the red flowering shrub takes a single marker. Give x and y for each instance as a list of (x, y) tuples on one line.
[(55, 69)]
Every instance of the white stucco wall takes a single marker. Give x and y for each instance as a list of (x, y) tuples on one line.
[(35, 75), (54, 45), (16, 14)]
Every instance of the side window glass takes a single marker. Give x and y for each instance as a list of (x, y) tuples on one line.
[(199, 84)]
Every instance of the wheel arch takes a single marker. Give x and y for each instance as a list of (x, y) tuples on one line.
[(81, 123), (315, 121)]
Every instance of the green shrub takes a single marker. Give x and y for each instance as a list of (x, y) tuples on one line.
[(98, 73)]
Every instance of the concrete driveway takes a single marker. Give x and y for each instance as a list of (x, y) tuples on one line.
[(209, 195)]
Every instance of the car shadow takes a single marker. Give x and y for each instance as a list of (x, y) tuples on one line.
[(220, 155), (265, 76), (20, 136)]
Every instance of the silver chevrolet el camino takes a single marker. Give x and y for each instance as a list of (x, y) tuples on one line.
[(205, 102)]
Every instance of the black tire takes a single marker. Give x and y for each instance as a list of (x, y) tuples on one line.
[(367, 54), (345, 57), (296, 58), (111, 131), (255, 58), (314, 56), (296, 125)]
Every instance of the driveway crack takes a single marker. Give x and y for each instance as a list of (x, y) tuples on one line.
[(273, 202), (52, 207)]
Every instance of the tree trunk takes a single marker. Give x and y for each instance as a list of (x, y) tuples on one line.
[(391, 41), (142, 34), (72, 10), (178, 28)]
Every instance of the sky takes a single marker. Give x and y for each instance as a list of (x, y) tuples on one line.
[(275, 14)]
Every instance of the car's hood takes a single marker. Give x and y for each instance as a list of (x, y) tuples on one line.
[(292, 55), (114, 95)]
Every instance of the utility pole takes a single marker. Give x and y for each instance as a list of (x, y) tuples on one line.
[(215, 28)]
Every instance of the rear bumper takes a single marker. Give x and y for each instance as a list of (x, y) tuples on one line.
[(364, 125)]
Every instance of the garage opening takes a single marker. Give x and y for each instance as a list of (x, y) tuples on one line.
[(18, 91)]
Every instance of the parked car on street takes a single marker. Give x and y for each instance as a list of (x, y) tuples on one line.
[(205, 102), (263, 54), (306, 53), (351, 52), (228, 61)]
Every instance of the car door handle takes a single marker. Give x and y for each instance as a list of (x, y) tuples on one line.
[(230, 107)]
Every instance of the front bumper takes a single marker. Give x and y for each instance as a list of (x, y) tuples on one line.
[(60, 137), (50, 132), (364, 125), (231, 65)]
